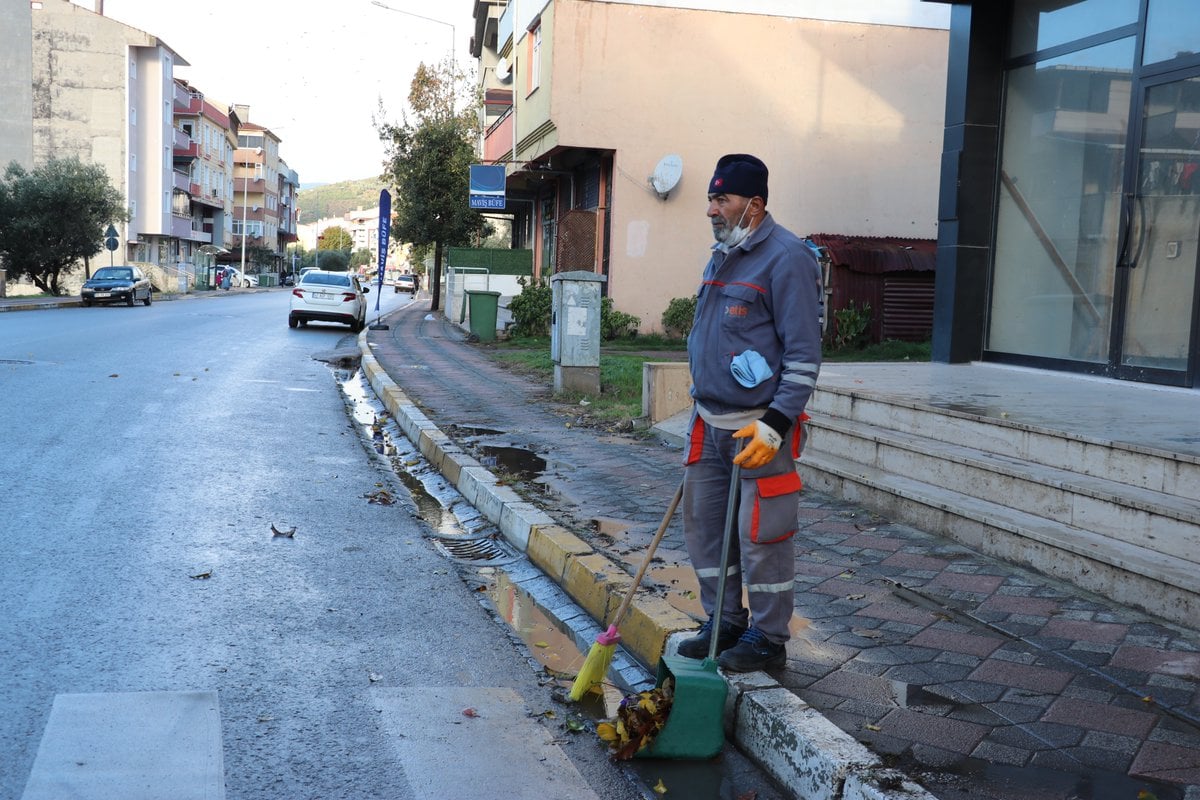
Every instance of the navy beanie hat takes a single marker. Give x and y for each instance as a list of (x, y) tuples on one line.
[(741, 174)]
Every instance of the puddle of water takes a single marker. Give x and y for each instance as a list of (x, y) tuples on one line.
[(517, 461), (467, 430), (549, 645), (1037, 783)]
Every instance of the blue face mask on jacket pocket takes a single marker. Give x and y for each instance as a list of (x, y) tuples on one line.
[(749, 368)]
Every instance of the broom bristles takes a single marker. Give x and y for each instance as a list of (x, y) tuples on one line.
[(595, 666)]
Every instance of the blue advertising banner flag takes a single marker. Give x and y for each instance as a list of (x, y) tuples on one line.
[(487, 186), (385, 229)]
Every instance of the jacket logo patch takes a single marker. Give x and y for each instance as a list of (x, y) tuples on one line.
[(736, 311)]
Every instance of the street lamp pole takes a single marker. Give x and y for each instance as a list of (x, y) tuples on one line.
[(245, 204)]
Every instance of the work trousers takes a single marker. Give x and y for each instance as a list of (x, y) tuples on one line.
[(761, 558)]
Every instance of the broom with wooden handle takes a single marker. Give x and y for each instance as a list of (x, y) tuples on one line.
[(599, 658)]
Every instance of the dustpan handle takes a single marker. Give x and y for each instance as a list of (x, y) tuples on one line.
[(637, 579), (730, 515)]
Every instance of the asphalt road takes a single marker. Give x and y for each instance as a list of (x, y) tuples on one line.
[(146, 607)]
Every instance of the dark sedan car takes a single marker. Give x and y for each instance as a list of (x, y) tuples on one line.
[(117, 285)]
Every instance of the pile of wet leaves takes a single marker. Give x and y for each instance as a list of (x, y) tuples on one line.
[(639, 719)]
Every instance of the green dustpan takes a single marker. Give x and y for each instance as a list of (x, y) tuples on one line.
[(695, 728)]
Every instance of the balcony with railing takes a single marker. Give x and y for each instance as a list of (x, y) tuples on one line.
[(498, 141), (251, 185), (186, 101), (208, 197), (181, 226), (181, 181), (188, 150)]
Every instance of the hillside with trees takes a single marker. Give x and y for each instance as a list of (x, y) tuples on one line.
[(335, 199)]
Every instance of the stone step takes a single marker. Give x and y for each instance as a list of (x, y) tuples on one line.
[(1157, 521), (1144, 467), (1158, 583)]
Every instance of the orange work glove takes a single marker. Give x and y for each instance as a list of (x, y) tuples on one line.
[(761, 448)]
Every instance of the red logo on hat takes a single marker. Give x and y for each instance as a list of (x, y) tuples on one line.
[(718, 182)]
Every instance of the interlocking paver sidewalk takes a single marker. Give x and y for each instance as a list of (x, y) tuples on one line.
[(982, 679)]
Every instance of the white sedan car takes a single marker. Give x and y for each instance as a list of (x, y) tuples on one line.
[(237, 278), (323, 296)]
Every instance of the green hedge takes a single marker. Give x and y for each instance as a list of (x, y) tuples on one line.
[(494, 260)]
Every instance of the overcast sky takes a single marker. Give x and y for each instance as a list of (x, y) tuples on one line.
[(314, 74)]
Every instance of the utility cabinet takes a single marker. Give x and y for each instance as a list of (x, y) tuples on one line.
[(575, 331)]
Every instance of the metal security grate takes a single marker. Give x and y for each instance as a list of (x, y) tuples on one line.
[(478, 550)]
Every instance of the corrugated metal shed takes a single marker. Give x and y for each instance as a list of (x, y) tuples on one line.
[(893, 275)]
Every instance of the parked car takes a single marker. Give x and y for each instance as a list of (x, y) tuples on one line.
[(323, 296), (405, 283), (125, 284), (238, 279)]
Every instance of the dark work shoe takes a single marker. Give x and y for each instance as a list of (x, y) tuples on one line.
[(753, 652), (697, 646)]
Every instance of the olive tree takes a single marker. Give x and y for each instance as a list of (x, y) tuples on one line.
[(54, 216)]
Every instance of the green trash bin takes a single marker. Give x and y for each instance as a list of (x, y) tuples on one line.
[(483, 306)]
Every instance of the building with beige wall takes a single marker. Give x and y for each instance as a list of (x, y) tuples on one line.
[(16, 83), (586, 98), (75, 83), (103, 92)]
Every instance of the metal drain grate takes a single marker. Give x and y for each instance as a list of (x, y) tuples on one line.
[(479, 550)]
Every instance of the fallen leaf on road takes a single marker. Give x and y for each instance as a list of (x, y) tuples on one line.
[(872, 727), (289, 532), (660, 787), (380, 497), (374, 677), (470, 712), (202, 576), (867, 634), (855, 596), (114, 375)]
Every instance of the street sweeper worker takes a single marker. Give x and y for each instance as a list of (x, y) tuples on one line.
[(754, 352)]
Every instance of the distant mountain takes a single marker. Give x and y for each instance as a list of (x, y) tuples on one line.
[(316, 202)]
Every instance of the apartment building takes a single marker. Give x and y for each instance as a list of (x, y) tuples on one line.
[(206, 134), (609, 118), (104, 92), (264, 213), (88, 86)]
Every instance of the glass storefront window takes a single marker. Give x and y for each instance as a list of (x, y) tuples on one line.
[(1040, 24), (1165, 243), (1172, 29), (1057, 230)]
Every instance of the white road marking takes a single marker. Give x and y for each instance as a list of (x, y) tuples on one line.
[(131, 746), (499, 752)]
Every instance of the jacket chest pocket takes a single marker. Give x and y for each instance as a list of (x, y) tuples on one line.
[(741, 306)]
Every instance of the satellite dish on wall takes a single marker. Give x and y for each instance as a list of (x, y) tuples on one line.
[(503, 71), (667, 173)]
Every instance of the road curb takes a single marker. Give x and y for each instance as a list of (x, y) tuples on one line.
[(783, 735)]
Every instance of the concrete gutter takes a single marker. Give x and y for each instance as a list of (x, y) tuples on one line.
[(784, 736)]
